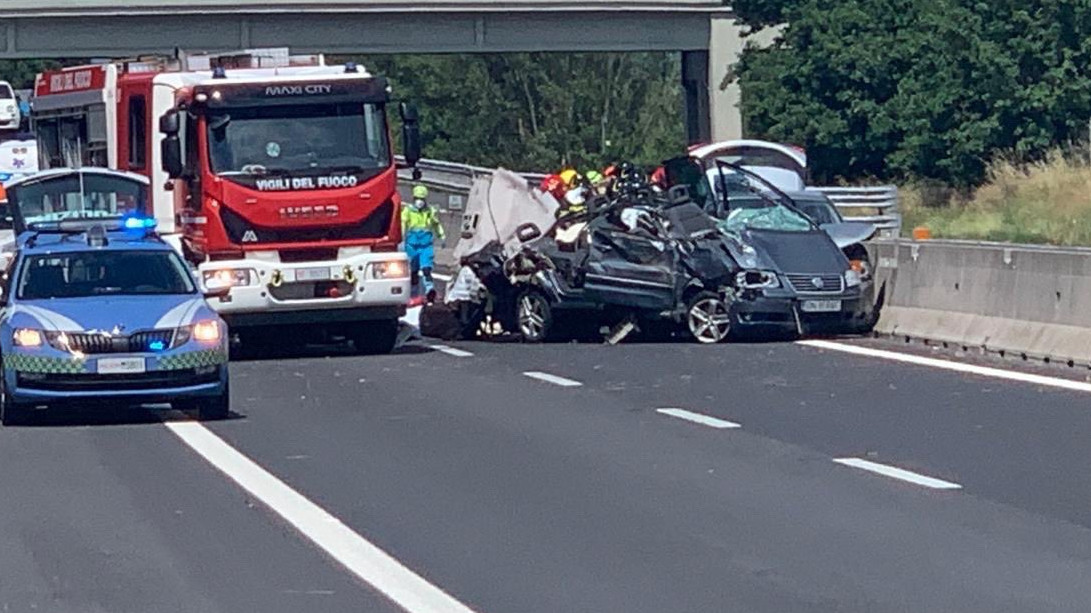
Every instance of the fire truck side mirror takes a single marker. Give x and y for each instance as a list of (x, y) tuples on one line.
[(409, 113), (169, 123), (411, 145), (171, 149)]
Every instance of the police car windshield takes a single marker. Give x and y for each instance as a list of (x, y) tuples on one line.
[(298, 139), (103, 273)]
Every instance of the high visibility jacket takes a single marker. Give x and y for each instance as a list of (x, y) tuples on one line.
[(421, 224)]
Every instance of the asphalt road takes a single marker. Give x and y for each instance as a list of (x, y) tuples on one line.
[(564, 491)]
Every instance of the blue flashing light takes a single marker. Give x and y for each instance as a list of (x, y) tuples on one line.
[(139, 223), (157, 345)]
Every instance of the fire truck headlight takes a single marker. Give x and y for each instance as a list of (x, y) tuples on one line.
[(228, 277), (393, 269)]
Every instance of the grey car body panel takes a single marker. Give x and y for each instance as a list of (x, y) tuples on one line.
[(849, 233)]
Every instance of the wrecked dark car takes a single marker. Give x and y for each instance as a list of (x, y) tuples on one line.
[(636, 262), (794, 277)]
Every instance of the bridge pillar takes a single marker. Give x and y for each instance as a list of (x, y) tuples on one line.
[(695, 85), (725, 46)]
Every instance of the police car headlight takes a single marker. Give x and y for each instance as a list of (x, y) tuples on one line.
[(394, 269), (27, 337), (852, 278), (207, 331), (181, 336), (228, 277)]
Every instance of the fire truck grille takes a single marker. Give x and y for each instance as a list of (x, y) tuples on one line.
[(242, 232)]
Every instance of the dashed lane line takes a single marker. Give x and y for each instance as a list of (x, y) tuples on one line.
[(898, 473), (984, 371), (458, 353), (697, 418), (359, 556), (442, 277), (554, 379)]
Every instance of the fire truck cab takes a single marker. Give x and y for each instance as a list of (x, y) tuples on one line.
[(272, 174)]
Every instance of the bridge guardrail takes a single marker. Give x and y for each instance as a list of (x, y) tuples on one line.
[(854, 203)]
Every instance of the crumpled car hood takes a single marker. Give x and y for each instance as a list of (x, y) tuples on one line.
[(796, 252)]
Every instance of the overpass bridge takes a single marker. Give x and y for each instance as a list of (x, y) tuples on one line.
[(703, 31)]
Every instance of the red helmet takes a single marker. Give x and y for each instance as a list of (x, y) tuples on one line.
[(553, 184), (659, 177)]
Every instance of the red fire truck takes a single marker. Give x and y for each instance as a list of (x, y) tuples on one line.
[(271, 173)]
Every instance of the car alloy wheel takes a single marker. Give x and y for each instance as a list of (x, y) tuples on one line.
[(534, 317), (709, 319)]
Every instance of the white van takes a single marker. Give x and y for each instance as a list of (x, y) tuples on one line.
[(10, 117)]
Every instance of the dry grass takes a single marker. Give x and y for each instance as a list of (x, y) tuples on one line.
[(1045, 202)]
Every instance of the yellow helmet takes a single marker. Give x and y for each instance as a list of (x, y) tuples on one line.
[(420, 192), (569, 176)]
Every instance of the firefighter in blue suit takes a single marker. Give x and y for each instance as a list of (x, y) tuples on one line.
[(421, 227)]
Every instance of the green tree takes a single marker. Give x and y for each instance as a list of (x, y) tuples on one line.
[(21, 73), (921, 88), (540, 111)]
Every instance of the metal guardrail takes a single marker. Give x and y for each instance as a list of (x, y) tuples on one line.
[(850, 201), (883, 200)]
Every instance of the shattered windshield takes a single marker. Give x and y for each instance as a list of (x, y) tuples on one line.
[(298, 139), (751, 204)]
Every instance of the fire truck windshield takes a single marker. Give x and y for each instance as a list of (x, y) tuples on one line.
[(298, 140)]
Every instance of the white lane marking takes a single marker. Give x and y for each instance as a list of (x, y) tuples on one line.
[(697, 418), (554, 379), (458, 353), (441, 276), (898, 473), (984, 371), (374, 566)]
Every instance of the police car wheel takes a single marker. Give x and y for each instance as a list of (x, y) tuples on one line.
[(218, 407), (11, 413), (207, 409)]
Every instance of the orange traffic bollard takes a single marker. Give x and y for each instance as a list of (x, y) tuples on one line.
[(921, 233)]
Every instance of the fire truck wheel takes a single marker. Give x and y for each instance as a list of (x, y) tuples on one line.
[(376, 337)]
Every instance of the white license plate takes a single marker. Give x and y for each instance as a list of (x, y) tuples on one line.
[(120, 366), (312, 274), (821, 306)]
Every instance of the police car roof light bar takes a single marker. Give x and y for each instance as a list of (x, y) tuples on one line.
[(79, 226)]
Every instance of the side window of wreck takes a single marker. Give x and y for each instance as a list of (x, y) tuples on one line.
[(636, 249)]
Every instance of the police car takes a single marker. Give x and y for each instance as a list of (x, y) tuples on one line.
[(103, 309)]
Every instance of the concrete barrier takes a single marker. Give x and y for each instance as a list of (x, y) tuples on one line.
[(1012, 299)]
